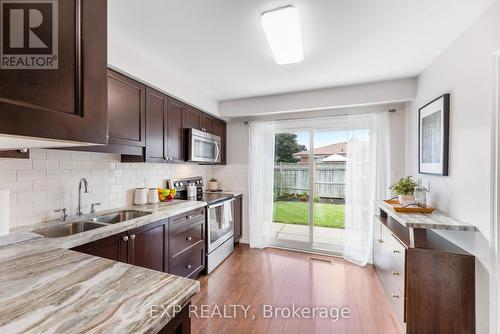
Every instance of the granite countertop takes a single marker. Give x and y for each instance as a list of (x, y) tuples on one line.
[(230, 192), (46, 288), (435, 221), (159, 211)]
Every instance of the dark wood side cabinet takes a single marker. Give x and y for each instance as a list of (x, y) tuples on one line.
[(68, 103), (126, 110), (238, 218), (429, 281), (164, 128)]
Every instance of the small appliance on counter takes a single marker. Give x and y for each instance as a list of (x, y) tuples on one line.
[(219, 220), (141, 196)]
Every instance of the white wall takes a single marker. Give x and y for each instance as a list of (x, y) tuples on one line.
[(234, 176), (156, 72), (49, 180), (383, 92), (465, 71)]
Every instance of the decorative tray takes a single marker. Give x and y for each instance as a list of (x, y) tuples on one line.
[(409, 209)]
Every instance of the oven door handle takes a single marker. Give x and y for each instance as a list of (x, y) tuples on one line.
[(212, 206)]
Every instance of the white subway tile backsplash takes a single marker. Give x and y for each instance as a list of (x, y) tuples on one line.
[(70, 164), (45, 184), (37, 153), (80, 155), (16, 164), (90, 164), (49, 180), (8, 175), (45, 164), (17, 186), (31, 196), (30, 175), (45, 206), (57, 174), (58, 155)]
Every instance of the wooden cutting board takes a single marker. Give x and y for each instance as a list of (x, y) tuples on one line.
[(411, 209)]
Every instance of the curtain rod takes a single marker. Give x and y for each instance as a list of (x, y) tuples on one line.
[(392, 111)]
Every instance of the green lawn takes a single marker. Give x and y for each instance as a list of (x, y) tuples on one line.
[(326, 215)]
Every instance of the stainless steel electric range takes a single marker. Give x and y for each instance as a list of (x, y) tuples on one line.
[(219, 220)]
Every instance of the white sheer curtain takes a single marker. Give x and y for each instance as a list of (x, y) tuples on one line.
[(367, 179), (261, 181)]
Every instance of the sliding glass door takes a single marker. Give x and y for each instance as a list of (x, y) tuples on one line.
[(309, 189)]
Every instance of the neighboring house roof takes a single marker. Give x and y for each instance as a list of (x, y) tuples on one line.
[(335, 158), (338, 148)]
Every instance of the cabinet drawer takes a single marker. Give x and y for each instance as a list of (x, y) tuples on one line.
[(184, 219), (183, 239), (189, 263), (397, 300)]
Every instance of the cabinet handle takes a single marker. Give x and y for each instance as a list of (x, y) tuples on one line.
[(380, 241), (396, 251), (395, 273), (132, 236), (125, 238), (188, 266), (189, 217), (189, 238), (395, 296)]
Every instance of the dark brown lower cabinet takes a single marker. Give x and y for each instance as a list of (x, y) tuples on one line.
[(147, 244), (429, 281), (113, 248), (175, 245), (238, 218)]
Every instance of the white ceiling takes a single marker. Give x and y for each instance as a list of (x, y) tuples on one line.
[(219, 45)]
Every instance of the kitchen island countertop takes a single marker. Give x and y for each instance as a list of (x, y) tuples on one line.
[(46, 288)]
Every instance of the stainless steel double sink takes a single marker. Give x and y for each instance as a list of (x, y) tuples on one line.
[(98, 221)]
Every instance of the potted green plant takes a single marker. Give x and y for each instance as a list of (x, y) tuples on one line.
[(404, 189), (213, 184)]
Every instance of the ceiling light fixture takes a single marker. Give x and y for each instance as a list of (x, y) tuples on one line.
[(282, 29)]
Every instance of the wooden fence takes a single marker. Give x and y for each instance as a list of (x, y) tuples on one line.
[(329, 183)]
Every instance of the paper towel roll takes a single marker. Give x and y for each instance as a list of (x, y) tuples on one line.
[(4, 211)]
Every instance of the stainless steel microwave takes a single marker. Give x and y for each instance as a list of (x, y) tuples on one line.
[(203, 147)]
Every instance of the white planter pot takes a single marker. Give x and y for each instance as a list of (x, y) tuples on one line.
[(406, 199), (213, 185)]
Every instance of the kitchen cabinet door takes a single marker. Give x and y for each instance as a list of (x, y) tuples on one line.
[(67, 101), (220, 130), (238, 218), (208, 123), (156, 111), (113, 248), (174, 142), (146, 246), (126, 110), (192, 118)]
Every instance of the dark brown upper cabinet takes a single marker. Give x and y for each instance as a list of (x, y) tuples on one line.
[(208, 123), (220, 130), (193, 118), (68, 102), (175, 135), (164, 128), (126, 110)]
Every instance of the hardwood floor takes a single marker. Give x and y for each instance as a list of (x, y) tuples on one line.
[(252, 277)]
